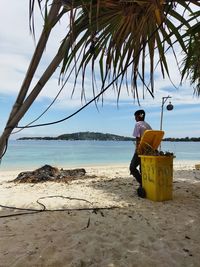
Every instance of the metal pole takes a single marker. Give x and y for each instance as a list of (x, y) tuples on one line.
[(161, 118), (164, 99)]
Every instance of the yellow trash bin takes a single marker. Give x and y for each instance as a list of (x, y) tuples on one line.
[(157, 177)]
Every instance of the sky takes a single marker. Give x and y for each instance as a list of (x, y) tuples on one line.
[(16, 49)]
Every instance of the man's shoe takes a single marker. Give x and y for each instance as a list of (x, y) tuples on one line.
[(141, 192)]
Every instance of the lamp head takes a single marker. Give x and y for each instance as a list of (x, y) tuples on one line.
[(169, 106)]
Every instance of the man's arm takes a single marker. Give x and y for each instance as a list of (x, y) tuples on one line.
[(137, 142)]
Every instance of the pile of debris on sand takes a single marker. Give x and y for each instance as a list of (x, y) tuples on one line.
[(53, 174)]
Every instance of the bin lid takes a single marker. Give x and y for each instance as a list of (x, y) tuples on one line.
[(151, 138)]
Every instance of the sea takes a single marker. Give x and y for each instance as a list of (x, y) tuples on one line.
[(31, 154)]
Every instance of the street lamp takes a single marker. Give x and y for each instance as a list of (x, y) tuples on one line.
[(169, 107)]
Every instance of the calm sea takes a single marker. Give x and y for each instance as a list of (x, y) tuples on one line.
[(34, 154)]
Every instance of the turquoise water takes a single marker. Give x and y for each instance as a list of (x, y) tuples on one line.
[(34, 154)]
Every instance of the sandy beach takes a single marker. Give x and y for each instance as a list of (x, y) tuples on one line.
[(99, 221)]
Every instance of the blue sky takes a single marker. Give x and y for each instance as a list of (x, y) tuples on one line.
[(16, 49)]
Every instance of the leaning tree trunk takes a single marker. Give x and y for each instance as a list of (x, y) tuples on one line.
[(20, 111), (15, 115), (51, 20)]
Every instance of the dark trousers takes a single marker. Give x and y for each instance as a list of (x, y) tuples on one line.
[(134, 165)]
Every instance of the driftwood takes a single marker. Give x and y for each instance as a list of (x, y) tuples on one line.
[(49, 173)]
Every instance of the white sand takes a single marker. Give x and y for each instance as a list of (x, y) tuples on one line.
[(139, 232)]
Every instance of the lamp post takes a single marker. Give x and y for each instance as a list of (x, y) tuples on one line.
[(169, 108)]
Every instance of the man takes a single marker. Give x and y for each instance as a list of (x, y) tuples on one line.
[(140, 127)]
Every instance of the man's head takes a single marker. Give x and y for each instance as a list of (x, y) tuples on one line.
[(139, 115)]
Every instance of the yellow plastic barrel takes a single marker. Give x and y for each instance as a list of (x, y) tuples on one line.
[(157, 177)]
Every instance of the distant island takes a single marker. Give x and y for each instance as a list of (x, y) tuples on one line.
[(184, 139), (103, 137), (83, 136)]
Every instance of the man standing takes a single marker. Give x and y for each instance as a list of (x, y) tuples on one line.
[(140, 127)]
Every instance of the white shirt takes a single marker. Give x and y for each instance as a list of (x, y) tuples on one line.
[(140, 128)]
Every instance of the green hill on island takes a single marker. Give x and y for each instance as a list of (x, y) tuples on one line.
[(103, 137), (83, 136)]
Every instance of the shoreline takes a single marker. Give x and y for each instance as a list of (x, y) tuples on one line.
[(177, 164)]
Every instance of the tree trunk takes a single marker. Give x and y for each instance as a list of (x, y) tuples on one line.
[(51, 20), (20, 112), (32, 96)]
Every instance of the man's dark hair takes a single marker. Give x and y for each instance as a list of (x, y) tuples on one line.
[(140, 113)]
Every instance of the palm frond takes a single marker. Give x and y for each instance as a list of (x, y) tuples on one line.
[(191, 62), (109, 36)]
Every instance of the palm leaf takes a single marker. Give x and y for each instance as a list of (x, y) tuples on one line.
[(123, 29), (191, 63)]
